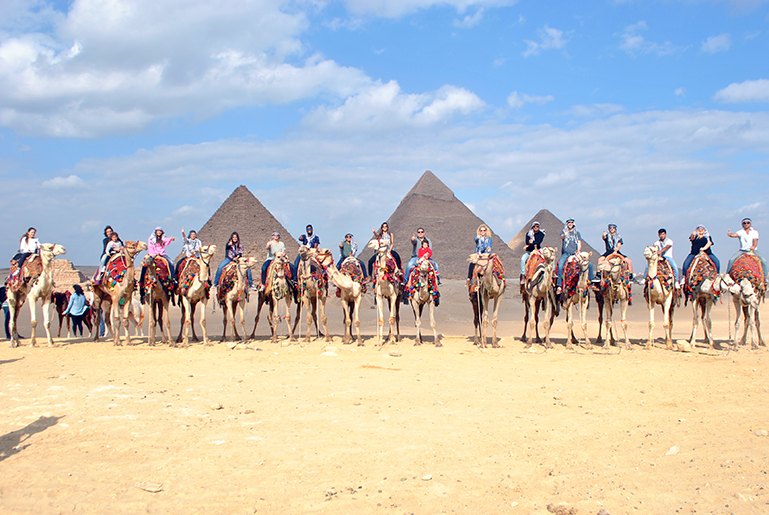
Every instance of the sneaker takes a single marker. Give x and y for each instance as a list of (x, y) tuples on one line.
[(558, 291), (467, 283), (678, 285)]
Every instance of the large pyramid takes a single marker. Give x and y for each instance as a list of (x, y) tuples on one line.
[(243, 213), (553, 226), (448, 223)]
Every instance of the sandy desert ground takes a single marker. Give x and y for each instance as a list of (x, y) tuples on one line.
[(329, 428)]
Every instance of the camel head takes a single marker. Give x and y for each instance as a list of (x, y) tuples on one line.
[(249, 262), (584, 260), (134, 247), (207, 252), (50, 250), (378, 245), (148, 260), (549, 254), (304, 251), (324, 258), (651, 253)]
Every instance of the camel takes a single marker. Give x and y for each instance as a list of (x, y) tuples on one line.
[(539, 288), (422, 289), (387, 285), (276, 290), (488, 283), (576, 292), (747, 293), (313, 292), (158, 287), (115, 292), (192, 290), (231, 295), (614, 287), (37, 286), (703, 287), (60, 301), (659, 290), (350, 290)]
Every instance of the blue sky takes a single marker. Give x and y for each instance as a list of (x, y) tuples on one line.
[(641, 113)]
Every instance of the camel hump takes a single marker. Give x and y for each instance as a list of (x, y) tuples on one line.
[(748, 266)]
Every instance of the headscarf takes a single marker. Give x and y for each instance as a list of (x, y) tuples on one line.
[(706, 235), (530, 234), (613, 238), (153, 237), (571, 235)]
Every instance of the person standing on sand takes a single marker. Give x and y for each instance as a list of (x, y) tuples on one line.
[(76, 309)]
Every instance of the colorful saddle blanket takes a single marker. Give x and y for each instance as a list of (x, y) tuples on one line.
[(30, 271), (162, 275), (610, 289), (391, 271), (116, 270), (417, 280), (497, 269), (701, 268), (351, 268), (319, 276), (186, 273), (570, 276), (748, 266), (273, 280), (536, 259), (666, 277), (227, 281)]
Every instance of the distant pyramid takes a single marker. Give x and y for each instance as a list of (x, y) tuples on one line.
[(65, 275), (553, 226), (449, 225), (243, 213)]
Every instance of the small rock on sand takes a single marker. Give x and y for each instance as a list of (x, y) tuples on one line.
[(395, 353), (427, 477), (216, 406), (328, 353), (148, 486), (673, 451), (762, 432)]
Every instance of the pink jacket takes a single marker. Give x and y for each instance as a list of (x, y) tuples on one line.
[(157, 249)]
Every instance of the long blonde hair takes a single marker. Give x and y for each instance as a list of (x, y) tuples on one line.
[(484, 226)]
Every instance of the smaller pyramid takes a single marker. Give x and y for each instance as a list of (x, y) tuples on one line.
[(65, 275), (449, 225), (243, 213), (553, 226)]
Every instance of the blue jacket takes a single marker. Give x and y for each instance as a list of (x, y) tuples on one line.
[(77, 305)]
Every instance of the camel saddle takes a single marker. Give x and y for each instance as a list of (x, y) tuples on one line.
[(320, 276), (610, 289), (351, 268), (570, 276), (30, 271), (535, 268), (748, 266), (227, 281), (186, 272), (701, 268), (162, 275), (666, 277), (392, 272), (272, 272), (415, 281), (497, 268)]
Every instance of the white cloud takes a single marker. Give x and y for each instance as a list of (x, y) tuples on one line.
[(680, 92), (397, 8), (748, 91), (550, 38), (553, 178), (517, 100), (717, 43), (385, 107), (72, 181), (470, 21), (594, 110), (634, 43)]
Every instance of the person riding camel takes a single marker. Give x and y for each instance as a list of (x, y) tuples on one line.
[(385, 237), (156, 246), (534, 239), (349, 247), (748, 242), (112, 248), (572, 244), (232, 251), (482, 246), (701, 242), (273, 247), (417, 242), (613, 243), (28, 246)]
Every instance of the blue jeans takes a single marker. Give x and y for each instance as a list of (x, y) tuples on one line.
[(562, 264), (739, 253), (221, 266), (524, 260)]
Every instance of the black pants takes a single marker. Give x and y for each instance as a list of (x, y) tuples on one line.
[(77, 323)]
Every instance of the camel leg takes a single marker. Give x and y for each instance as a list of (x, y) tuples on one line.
[(14, 313), (47, 319), (184, 331), (608, 311), (667, 323), (241, 308), (346, 339), (707, 322), (532, 323), (393, 303), (259, 303), (203, 326), (323, 317), (569, 324), (549, 316), (623, 321), (33, 319), (380, 318), (193, 306), (291, 336), (308, 318), (432, 324), (225, 321), (417, 320), (695, 320), (397, 317), (583, 320), (650, 342), (315, 307), (525, 317), (356, 313), (494, 341), (599, 301), (758, 329)]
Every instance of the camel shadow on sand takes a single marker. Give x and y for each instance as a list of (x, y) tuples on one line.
[(14, 442)]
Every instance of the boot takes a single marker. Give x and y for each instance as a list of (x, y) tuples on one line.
[(141, 295), (438, 299)]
